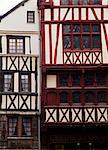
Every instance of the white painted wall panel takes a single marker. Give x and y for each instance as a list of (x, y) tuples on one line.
[(83, 14), (47, 48), (104, 47), (16, 82), (62, 13), (106, 13), (76, 14), (60, 48), (4, 44), (54, 39), (33, 83), (47, 14), (51, 81), (27, 45), (69, 15), (56, 14), (3, 105), (90, 15)]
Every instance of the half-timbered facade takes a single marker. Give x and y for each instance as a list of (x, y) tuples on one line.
[(74, 58), (19, 77)]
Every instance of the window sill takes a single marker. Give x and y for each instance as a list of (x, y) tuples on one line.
[(22, 138)]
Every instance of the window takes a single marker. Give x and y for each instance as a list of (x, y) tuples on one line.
[(8, 83), (16, 44), (81, 36), (63, 80), (25, 83), (63, 97), (19, 126), (80, 2), (76, 97), (30, 16), (89, 86)]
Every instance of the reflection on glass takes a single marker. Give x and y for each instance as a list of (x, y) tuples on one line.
[(67, 42), (76, 41), (86, 41)]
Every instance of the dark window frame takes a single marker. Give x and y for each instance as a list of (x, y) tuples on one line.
[(30, 16), (16, 44), (81, 2), (75, 34)]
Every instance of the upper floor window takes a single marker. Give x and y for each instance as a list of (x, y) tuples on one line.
[(25, 83), (20, 126), (81, 36), (80, 2), (16, 44), (30, 16), (8, 83)]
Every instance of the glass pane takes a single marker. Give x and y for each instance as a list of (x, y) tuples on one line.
[(76, 42), (67, 42), (95, 2), (85, 2), (76, 79), (88, 79), (89, 96), (63, 97), (63, 80), (86, 41), (67, 28), (76, 28), (96, 41), (100, 79), (76, 97), (95, 28), (101, 96), (65, 2), (75, 2), (85, 28)]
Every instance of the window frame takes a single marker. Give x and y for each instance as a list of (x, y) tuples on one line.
[(16, 38), (80, 2), (29, 82), (19, 126), (95, 88), (81, 34), (12, 81), (29, 20)]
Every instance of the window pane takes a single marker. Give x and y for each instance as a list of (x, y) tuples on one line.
[(67, 42), (76, 42), (76, 97), (24, 83), (96, 41), (63, 80), (101, 96), (95, 28), (76, 28), (63, 97), (7, 82), (26, 127), (85, 28), (75, 2), (85, 2), (95, 2), (100, 79), (67, 28), (89, 97), (88, 79), (76, 77), (86, 41), (65, 2), (13, 127)]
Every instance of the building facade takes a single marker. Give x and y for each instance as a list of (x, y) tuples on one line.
[(19, 77), (74, 59)]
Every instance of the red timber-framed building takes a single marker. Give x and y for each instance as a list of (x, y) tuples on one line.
[(74, 59)]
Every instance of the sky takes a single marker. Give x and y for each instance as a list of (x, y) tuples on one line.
[(6, 5)]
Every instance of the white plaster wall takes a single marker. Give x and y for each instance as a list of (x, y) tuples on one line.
[(17, 20)]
